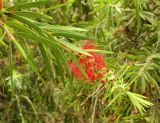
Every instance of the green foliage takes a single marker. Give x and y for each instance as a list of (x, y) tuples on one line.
[(39, 36)]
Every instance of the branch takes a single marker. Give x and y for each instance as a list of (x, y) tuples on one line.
[(94, 109), (1, 4)]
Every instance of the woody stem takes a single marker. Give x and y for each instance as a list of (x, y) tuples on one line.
[(1, 4)]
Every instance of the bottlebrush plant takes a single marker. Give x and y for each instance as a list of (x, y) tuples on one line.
[(36, 82)]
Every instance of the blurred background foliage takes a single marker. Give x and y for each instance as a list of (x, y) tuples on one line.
[(37, 38)]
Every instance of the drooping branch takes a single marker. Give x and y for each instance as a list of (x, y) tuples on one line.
[(1, 4)]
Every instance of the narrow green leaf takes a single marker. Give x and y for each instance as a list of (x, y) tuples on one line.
[(137, 12), (31, 104), (34, 15), (19, 47), (49, 68), (56, 6), (70, 34), (139, 101), (2, 42), (64, 63), (99, 51), (63, 28), (74, 48), (114, 99), (11, 67), (59, 64), (27, 22), (28, 5), (37, 38), (151, 79), (29, 59), (19, 26)]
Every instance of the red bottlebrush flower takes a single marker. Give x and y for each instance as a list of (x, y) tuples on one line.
[(81, 61), (89, 65), (94, 66), (91, 75), (100, 66), (105, 72), (89, 45), (99, 75), (99, 61), (102, 81), (75, 70)]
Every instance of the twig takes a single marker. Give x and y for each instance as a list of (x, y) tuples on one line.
[(1, 4), (94, 109), (10, 36), (94, 93)]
